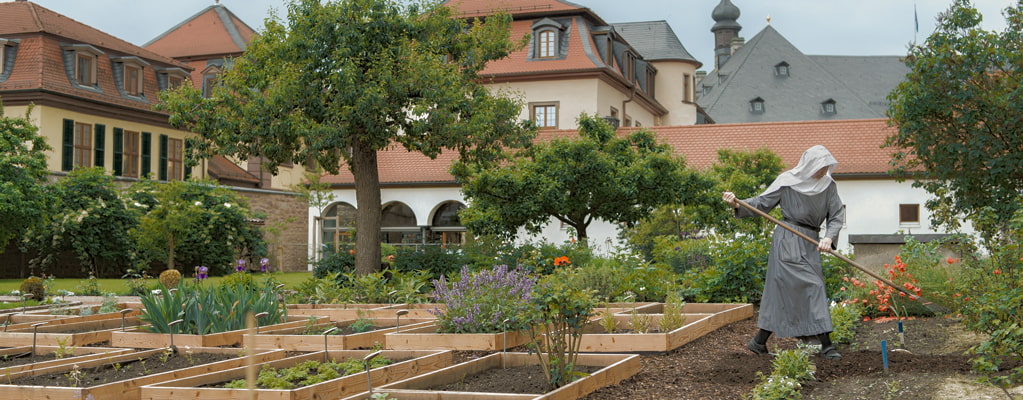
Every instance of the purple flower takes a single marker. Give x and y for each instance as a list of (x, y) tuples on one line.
[(264, 264), (202, 272), (241, 265)]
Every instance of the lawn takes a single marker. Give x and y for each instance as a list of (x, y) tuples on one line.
[(120, 286)]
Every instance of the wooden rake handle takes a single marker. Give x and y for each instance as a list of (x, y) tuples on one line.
[(930, 305)]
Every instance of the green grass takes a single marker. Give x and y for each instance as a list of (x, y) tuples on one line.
[(120, 286)]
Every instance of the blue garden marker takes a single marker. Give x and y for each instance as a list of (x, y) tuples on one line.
[(884, 354)]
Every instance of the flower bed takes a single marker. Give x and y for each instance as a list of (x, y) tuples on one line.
[(17, 359), (613, 368), (196, 387), (127, 389), (137, 338), (700, 320), (19, 321), (426, 337), (338, 312), (299, 338)]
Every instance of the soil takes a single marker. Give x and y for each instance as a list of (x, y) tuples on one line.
[(523, 379), (928, 362), (93, 376)]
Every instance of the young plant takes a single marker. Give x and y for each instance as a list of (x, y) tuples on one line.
[(777, 387), (640, 323), (672, 317), (362, 325), (76, 376), (608, 321), (794, 363), (63, 350), (557, 315)]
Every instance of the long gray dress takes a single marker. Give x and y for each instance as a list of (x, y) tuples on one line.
[(795, 302)]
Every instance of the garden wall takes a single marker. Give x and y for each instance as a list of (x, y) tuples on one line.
[(287, 214)]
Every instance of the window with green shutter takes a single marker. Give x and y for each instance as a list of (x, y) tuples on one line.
[(67, 157), (147, 154), (100, 132), (163, 157), (118, 152)]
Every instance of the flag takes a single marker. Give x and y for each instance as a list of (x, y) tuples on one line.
[(916, 21)]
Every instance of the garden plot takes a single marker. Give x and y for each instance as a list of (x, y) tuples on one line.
[(426, 337), (66, 334), (25, 358), (139, 338), (635, 336), (20, 321), (407, 364), (346, 335), (342, 312)]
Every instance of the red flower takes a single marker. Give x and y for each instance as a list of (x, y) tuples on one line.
[(951, 260), (997, 271)]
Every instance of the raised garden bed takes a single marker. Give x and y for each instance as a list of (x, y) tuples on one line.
[(128, 364), (426, 337), (140, 339), (17, 359), (701, 318), (309, 338), (197, 387), (20, 321), (343, 312), (610, 369), (66, 334)]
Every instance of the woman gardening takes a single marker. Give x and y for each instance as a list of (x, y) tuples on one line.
[(794, 300)]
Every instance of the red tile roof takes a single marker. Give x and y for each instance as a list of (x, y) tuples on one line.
[(223, 169), (518, 62), (205, 33), (482, 8), (856, 144)]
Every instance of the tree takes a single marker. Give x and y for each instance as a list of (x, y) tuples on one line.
[(576, 181), (23, 172), (959, 115), (88, 217), (344, 79)]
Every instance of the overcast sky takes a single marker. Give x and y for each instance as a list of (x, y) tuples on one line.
[(816, 27)]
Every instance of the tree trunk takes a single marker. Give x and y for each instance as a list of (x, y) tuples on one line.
[(367, 216), (170, 251)]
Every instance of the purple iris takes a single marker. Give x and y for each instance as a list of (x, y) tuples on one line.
[(264, 264), (241, 265), (202, 272)]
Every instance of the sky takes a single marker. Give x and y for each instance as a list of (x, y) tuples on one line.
[(816, 27)]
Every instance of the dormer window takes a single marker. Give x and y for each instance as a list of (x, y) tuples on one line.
[(629, 69), (128, 75), (82, 62), (829, 107), (210, 76), (547, 39), (4, 45), (756, 106), (781, 69), (170, 78)]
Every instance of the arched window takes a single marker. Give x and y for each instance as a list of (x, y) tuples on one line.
[(398, 225), (547, 39), (547, 44), (445, 227), (756, 106), (337, 226)]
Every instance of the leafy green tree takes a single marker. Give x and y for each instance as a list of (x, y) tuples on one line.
[(87, 216), (341, 80), (23, 172), (959, 120), (193, 224), (576, 181)]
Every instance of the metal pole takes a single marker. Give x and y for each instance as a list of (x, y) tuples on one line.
[(397, 319), (325, 334), (123, 312), (369, 381)]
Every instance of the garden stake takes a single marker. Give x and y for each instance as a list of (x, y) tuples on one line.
[(7, 322), (884, 354), (257, 317), (325, 334), (397, 319), (504, 347), (935, 308), (368, 380), (390, 295), (123, 312), (24, 302), (171, 325), (35, 327), (902, 336)]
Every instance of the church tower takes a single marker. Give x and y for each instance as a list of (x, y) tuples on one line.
[(726, 28)]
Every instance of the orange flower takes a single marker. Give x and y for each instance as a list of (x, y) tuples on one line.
[(997, 271), (951, 260), (563, 260), (352, 252)]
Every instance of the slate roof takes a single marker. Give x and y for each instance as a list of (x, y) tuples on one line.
[(214, 31), (856, 144), (858, 85), (655, 40)]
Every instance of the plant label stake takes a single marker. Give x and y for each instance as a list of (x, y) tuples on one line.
[(7, 322), (884, 354), (35, 327), (257, 317), (123, 313), (25, 302), (504, 347), (325, 334), (369, 381), (390, 296), (171, 325), (397, 319), (902, 336)]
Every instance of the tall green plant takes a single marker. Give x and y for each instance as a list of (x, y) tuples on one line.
[(206, 309), (23, 172), (557, 316)]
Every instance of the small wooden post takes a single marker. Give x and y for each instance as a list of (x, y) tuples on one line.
[(325, 334), (250, 362)]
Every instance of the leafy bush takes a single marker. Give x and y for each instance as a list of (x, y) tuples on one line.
[(35, 286), (556, 317), (777, 387), (793, 363), (737, 274), (340, 262), (682, 255), (435, 260), (844, 318), (633, 277), (479, 302)]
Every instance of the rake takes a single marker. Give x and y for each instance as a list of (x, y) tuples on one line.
[(932, 306)]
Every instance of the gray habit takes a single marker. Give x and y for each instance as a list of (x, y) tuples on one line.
[(795, 302)]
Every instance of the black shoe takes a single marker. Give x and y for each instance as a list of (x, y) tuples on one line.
[(756, 347), (830, 353)]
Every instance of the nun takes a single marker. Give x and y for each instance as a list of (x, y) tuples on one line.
[(794, 302)]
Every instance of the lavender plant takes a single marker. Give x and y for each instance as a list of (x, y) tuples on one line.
[(481, 301)]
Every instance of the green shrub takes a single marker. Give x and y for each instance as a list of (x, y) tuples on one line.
[(794, 364), (737, 274), (35, 286), (340, 262), (207, 309), (436, 260), (682, 255), (776, 387), (844, 318)]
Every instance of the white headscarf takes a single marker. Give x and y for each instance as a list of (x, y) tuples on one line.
[(801, 179)]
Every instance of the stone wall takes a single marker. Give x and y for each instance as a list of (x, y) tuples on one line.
[(285, 229)]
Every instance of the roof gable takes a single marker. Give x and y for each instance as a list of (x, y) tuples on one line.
[(212, 31), (655, 40), (517, 8)]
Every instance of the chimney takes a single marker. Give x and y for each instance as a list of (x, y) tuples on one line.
[(726, 28), (737, 43)]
